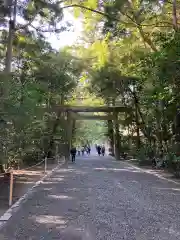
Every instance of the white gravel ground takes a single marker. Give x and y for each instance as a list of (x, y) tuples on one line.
[(97, 198)]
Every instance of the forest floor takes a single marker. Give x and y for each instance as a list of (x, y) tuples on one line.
[(23, 181)]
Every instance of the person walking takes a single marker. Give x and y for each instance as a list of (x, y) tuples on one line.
[(99, 150), (82, 150), (103, 150), (89, 150), (79, 151), (73, 154)]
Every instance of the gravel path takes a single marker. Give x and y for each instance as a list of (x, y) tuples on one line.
[(98, 198)]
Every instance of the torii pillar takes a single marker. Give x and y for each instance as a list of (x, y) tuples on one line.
[(111, 136), (116, 137), (69, 129)]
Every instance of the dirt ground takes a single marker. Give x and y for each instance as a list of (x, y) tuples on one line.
[(23, 180)]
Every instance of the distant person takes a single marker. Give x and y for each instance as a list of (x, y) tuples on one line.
[(82, 151), (79, 151), (73, 154), (103, 150), (99, 150), (89, 150)]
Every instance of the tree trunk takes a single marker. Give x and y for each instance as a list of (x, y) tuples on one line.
[(12, 22), (177, 133), (136, 20), (140, 114), (49, 152), (174, 15), (2, 169), (146, 39), (138, 141)]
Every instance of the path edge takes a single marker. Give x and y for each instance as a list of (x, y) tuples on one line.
[(15, 207), (152, 173), (143, 170)]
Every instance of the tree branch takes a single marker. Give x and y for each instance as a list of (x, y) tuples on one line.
[(114, 18), (30, 22), (91, 10), (56, 30)]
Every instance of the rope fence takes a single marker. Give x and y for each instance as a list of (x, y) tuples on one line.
[(37, 164), (11, 174)]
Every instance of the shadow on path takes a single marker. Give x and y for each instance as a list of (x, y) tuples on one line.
[(96, 199)]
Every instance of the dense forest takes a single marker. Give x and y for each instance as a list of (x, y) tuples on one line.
[(128, 54)]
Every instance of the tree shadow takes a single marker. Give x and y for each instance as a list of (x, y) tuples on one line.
[(167, 189), (23, 181), (127, 169), (53, 211)]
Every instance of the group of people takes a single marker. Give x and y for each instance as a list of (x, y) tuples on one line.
[(100, 150), (82, 150)]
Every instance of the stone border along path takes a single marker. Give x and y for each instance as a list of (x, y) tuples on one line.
[(14, 208)]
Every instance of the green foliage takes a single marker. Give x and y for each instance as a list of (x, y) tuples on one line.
[(133, 60), (130, 57), (90, 131), (42, 78)]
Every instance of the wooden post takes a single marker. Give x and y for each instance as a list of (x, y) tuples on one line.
[(57, 152), (45, 165), (11, 187)]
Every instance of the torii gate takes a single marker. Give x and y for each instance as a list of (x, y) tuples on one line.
[(72, 113)]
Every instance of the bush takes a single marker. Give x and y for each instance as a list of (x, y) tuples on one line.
[(31, 158), (175, 166), (144, 155)]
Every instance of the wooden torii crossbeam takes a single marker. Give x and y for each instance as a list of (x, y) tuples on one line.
[(68, 108), (78, 116)]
